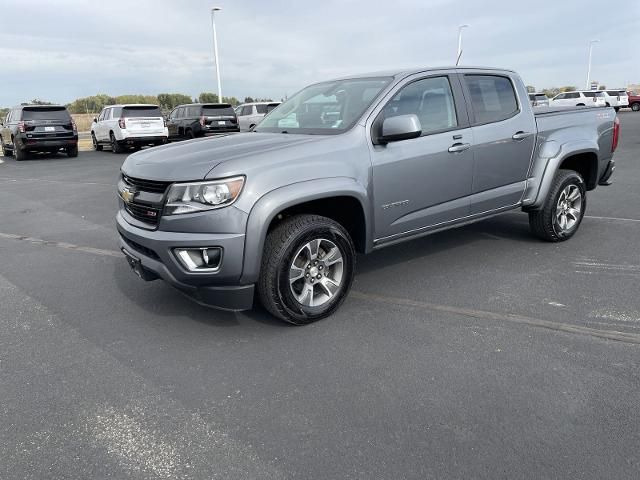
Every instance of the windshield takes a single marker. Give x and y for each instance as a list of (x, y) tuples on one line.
[(325, 108)]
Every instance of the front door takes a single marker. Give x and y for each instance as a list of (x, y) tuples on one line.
[(424, 181)]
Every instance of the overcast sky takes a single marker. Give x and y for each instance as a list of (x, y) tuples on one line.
[(63, 49)]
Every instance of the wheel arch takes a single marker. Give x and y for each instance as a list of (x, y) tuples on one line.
[(581, 157), (342, 199)]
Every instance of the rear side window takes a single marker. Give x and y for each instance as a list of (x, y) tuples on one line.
[(613, 93), (589, 94), (218, 110), (261, 108), (129, 112), (541, 97), (43, 113), (493, 97), (247, 110), (272, 106)]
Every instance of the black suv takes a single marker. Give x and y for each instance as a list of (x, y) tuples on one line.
[(38, 128), (201, 119)]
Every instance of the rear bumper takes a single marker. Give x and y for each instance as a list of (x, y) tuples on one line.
[(215, 131), (142, 141), (155, 252), (35, 143), (605, 178)]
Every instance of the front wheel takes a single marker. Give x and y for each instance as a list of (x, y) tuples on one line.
[(96, 146), (560, 216), (307, 269), (635, 107)]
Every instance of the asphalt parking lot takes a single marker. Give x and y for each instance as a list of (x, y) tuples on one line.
[(480, 352)]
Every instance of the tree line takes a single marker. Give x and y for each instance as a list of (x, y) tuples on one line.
[(166, 101), (552, 92)]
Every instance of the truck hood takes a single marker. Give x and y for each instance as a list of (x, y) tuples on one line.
[(192, 160)]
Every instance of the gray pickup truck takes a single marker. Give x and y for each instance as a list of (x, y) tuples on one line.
[(353, 165)]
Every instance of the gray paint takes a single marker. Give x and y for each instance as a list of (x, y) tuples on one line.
[(406, 188)]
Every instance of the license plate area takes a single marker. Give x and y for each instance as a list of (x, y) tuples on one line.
[(136, 265)]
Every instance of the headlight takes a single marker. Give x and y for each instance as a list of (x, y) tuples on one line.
[(196, 197)]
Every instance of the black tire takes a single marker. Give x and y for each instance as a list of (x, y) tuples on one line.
[(283, 245), (5, 152), (635, 106), (72, 152), (115, 146), (18, 154), (96, 146), (544, 222), (190, 135), (607, 104), (617, 109)]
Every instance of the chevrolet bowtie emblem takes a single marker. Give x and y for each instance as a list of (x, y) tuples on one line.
[(127, 195)]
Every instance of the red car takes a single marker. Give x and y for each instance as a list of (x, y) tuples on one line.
[(634, 101)]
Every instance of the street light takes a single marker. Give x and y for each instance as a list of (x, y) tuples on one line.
[(460, 42), (591, 43), (215, 51)]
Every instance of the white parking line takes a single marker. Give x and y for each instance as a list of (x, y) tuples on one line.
[(613, 219)]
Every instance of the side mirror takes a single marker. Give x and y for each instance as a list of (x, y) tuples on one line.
[(95, 120), (402, 127)]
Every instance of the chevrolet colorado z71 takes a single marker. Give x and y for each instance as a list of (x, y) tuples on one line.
[(353, 165)]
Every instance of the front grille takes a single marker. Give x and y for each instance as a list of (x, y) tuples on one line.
[(140, 248), (143, 213), (146, 185)]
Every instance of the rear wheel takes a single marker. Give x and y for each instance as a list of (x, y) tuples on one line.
[(115, 146), (563, 210), (307, 269), (190, 134), (72, 151), (96, 146), (617, 109), (18, 154), (635, 106)]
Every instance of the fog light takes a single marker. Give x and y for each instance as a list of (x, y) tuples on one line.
[(199, 259)]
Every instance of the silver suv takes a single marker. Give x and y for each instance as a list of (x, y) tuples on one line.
[(250, 114)]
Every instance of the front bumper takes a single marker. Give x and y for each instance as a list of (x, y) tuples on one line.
[(155, 252)]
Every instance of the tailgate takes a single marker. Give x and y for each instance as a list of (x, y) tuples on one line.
[(48, 129), (144, 125)]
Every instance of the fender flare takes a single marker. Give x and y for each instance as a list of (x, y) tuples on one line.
[(553, 163), (272, 203)]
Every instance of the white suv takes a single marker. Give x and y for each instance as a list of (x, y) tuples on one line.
[(616, 98), (579, 98), (122, 126), (250, 114)]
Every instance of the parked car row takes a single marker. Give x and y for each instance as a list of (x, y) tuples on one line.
[(134, 126), (598, 98)]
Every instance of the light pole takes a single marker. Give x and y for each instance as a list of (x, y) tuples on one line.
[(591, 43), (215, 51), (460, 42)]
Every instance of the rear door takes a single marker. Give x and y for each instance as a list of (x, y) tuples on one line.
[(172, 123), (504, 134), (424, 181), (143, 121)]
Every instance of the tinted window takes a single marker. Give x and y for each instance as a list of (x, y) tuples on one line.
[(45, 113), (271, 106), (589, 94), (541, 97), (492, 97), (430, 99), (247, 110), (562, 96), (128, 112), (261, 108), (573, 95), (613, 93), (218, 110)]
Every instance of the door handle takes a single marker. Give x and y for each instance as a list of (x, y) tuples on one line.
[(520, 135), (459, 147)]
